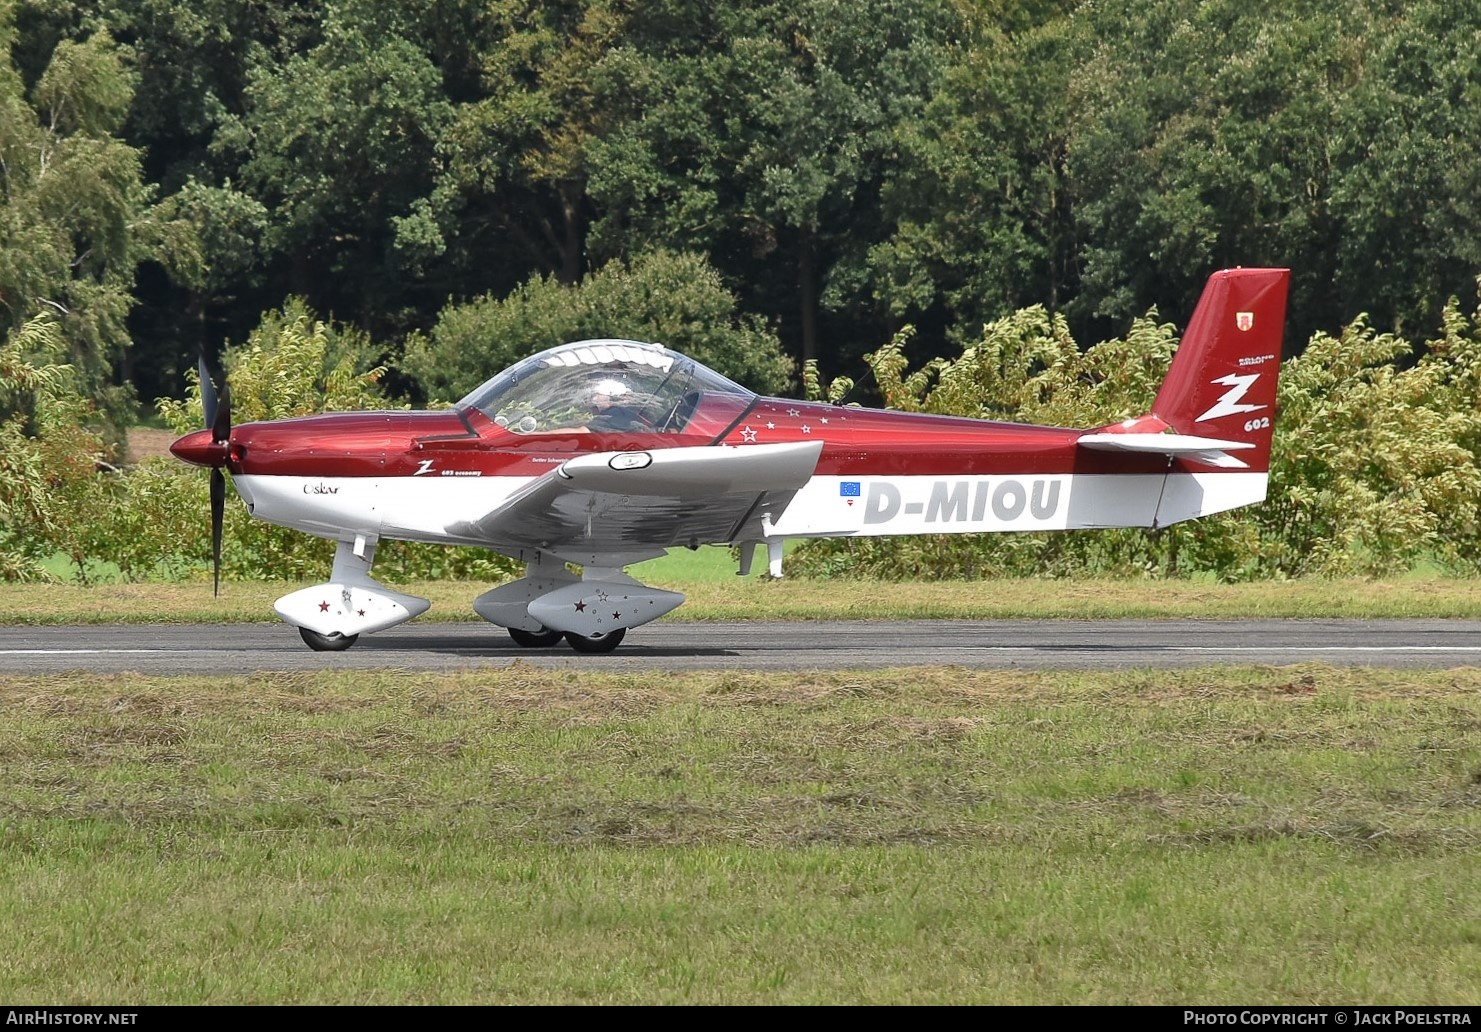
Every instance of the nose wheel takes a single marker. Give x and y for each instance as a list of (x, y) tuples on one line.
[(335, 642)]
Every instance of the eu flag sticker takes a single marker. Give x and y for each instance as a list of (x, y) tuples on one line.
[(848, 489)]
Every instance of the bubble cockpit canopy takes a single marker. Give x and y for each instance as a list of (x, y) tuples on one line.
[(571, 388)]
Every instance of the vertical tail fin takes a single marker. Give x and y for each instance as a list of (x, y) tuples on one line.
[(1214, 417), (1222, 381)]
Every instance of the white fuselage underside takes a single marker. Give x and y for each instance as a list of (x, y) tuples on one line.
[(423, 509)]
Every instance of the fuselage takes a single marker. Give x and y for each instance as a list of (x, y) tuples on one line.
[(418, 475)]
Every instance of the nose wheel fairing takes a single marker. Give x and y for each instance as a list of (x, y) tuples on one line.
[(352, 602), (348, 608)]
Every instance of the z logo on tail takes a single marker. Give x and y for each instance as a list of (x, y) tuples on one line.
[(1228, 404)]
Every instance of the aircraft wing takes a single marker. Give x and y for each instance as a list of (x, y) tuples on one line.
[(620, 504), (1207, 450)]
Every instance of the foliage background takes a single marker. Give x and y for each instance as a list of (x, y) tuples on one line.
[(821, 191), (1374, 466), (174, 169)]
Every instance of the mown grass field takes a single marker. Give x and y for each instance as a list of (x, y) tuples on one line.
[(714, 592), (927, 835), (924, 836)]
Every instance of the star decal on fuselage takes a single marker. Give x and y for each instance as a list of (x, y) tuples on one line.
[(747, 434)]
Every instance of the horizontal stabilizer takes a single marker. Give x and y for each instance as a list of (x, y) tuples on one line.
[(1207, 450)]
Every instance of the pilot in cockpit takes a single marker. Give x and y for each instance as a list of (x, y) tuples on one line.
[(612, 409)]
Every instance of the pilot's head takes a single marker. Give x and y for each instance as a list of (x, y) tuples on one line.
[(609, 391)]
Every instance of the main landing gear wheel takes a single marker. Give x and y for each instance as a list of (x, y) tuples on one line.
[(335, 642), (534, 639), (597, 642)]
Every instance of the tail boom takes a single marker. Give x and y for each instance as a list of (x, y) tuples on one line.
[(1203, 449)]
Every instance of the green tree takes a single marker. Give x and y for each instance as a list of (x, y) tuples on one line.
[(337, 143), (1375, 457), (760, 133), (190, 63), (671, 299), (1406, 160), (1202, 138), (76, 217), (52, 497), (979, 198), (514, 158)]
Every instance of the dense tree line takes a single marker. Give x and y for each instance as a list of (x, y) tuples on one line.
[(171, 169), (1376, 464)]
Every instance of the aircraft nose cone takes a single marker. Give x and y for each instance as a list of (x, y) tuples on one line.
[(199, 448)]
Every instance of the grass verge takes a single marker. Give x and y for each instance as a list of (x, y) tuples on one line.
[(930, 836), (759, 598)]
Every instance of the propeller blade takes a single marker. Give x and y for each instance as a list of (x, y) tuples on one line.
[(218, 514), (208, 392), (217, 407), (217, 410), (221, 425)]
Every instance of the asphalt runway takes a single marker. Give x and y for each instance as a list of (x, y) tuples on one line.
[(761, 645)]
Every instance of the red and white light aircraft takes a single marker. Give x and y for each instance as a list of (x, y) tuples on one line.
[(605, 453)]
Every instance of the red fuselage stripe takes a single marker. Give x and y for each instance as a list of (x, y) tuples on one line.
[(858, 442)]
